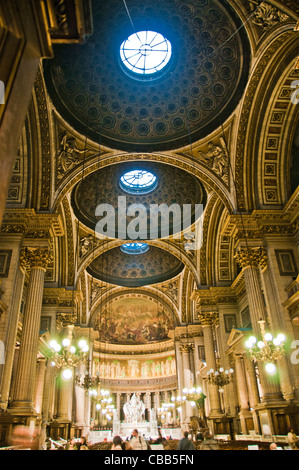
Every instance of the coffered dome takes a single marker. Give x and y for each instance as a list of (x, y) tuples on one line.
[(168, 186), (198, 89), (129, 270)]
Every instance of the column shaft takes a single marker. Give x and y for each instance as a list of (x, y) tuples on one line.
[(25, 380)]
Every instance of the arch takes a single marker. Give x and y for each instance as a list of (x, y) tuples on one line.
[(256, 102), (149, 293), (212, 183), (170, 246)]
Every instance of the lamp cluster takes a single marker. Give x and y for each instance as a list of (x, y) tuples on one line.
[(267, 350), (104, 404), (220, 377), (88, 382), (67, 356)]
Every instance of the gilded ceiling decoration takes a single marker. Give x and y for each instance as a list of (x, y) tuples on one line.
[(174, 186), (134, 321), (116, 267), (206, 79)]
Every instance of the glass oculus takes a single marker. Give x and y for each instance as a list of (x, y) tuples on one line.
[(145, 53), (138, 181), (134, 248)]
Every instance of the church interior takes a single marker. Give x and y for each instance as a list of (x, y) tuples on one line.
[(149, 203)]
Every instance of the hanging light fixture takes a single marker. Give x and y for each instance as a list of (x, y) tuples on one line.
[(66, 355), (267, 349), (88, 382), (220, 377), (104, 403)]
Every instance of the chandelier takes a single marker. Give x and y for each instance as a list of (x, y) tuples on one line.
[(268, 349), (220, 377), (66, 355), (194, 396), (104, 404), (178, 401), (88, 382)]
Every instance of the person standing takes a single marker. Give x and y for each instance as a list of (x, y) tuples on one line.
[(209, 442), (293, 439), (137, 442), (185, 443), (117, 443)]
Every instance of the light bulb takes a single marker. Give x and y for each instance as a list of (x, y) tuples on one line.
[(72, 349), (192, 403), (67, 374), (82, 344), (252, 339), (198, 390), (270, 368), (268, 337), (281, 337), (261, 344), (66, 342), (52, 344), (57, 347)]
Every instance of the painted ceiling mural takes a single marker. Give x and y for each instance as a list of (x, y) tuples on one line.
[(134, 321)]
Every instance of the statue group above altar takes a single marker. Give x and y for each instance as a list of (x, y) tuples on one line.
[(134, 410)]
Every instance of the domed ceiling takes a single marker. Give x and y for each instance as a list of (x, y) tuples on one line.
[(135, 270), (174, 186), (203, 84)]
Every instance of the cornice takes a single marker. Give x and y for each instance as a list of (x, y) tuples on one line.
[(31, 224), (108, 348)]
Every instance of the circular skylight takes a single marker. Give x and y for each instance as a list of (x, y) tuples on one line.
[(145, 53), (138, 181), (134, 248)]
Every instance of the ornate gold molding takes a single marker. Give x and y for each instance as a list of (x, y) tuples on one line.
[(36, 257), (249, 256), (186, 348), (208, 318)]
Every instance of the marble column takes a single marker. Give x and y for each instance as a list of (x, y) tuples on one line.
[(39, 392), (49, 393), (250, 259), (207, 320), (25, 380), (12, 331), (242, 393), (186, 349), (118, 404), (65, 399), (80, 399)]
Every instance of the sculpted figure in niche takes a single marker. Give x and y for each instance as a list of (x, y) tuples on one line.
[(68, 155), (216, 158), (86, 244)]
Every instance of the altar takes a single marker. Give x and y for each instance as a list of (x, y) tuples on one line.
[(134, 411)]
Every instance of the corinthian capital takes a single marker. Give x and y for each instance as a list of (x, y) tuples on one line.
[(252, 257), (35, 258), (208, 318)]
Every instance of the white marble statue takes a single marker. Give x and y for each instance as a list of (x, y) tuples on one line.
[(134, 410)]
